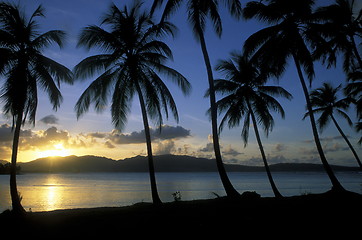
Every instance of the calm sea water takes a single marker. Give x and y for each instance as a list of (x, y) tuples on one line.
[(45, 192)]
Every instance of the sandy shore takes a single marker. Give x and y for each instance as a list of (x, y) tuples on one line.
[(298, 216)]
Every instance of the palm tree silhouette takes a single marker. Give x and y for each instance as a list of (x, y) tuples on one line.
[(26, 69), (132, 60), (325, 102), (198, 11), (287, 37), (247, 97), (340, 24)]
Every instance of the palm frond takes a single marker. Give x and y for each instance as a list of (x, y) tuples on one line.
[(121, 99), (48, 84), (57, 70), (48, 38), (93, 64), (345, 116), (96, 37), (245, 129), (97, 93)]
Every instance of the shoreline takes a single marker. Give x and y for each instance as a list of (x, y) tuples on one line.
[(337, 212)]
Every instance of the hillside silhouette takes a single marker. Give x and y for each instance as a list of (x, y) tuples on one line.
[(163, 163)]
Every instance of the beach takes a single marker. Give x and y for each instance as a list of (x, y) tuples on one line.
[(328, 213)]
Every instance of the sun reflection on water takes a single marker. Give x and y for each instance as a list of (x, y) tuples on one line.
[(52, 193)]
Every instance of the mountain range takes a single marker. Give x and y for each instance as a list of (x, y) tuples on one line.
[(163, 163)]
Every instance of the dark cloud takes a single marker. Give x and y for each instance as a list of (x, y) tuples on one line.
[(167, 133), (6, 134), (170, 132), (50, 119), (127, 138)]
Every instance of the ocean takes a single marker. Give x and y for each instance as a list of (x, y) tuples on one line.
[(46, 192)]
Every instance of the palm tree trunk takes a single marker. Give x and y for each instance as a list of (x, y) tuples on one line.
[(335, 183), (229, 189), (15, 198), (155, 198), (257, 135), (347, 141)]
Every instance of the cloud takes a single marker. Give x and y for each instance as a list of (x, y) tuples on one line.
[(336, 147), (326, 139), (184, 150), (167, 133), (6, 134), (50, 119), (208, 148), (165, 147), (280, 147), (170, 132), (44, 138), (108, 144), (231, 152)]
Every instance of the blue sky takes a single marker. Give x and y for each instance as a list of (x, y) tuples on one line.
[(61, 133)]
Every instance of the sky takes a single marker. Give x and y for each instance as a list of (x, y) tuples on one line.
[(61, 133)]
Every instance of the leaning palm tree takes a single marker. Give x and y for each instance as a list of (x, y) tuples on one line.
[(132, 59), (325, 102), (197, 12), (288, 36), (25, 69), (247, 98)]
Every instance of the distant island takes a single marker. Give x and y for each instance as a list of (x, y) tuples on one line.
[(163, 163)]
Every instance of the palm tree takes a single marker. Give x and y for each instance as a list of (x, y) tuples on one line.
[(287, 37), (132, 60), (247, 97), (25, 69), (325, 101), (198, 11), (341, 25)]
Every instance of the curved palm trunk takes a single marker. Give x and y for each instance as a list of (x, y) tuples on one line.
[(267, 169), (16, 202), (155, 198), (347, 141), (229, 189), (335, 183)]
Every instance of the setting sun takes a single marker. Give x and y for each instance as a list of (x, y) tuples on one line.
[(58, 150)]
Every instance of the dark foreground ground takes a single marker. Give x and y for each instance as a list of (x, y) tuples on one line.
[(327, 215)]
